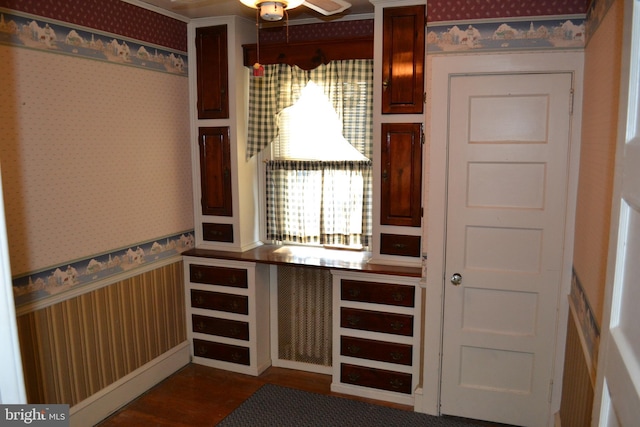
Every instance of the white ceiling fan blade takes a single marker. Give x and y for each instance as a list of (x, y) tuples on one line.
[(328, 7)]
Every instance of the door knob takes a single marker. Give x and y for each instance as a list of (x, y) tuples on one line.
[(456, 279)]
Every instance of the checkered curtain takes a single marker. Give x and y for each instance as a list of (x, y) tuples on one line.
[(313, 202), (317, 202), (348, 85)]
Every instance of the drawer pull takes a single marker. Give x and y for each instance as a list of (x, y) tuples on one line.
[(396, 356), (199, 300), (233, 332), (236, 357), (396, 325), (200, 326), (396, 383), (397, 296), (201, 350), (353, 320), (198, 274), (233, 305), (353, 349), (233, 279), (353, 377), (354, 292), (399, 245)]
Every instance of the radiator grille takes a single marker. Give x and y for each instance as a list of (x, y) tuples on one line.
[(304, 315)]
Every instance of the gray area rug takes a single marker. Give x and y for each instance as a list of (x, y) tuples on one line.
[(277, 406)]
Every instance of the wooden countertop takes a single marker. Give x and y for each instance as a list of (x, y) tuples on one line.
[(309, 257)]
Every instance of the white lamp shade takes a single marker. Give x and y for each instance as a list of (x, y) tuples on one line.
[(286, 4)]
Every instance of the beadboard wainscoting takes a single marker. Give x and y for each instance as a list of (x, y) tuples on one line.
[(85, 347), (577, 386)]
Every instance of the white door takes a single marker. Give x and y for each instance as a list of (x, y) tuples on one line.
[(507, 188), (617, 400), (12, 389)]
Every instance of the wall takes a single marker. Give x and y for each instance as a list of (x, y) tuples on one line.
[(94, 148), (599, 131)]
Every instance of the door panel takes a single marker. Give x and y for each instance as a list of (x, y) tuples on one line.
[(507, 184), (618, 392)]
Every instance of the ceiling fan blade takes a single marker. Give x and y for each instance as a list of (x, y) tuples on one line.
[(328, 7), (188, 4)]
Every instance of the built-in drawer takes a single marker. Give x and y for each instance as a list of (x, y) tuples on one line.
[(220, 327), (375, 378), (369, 320), (217, 232), (380, 293), (219, 351), (382, 351), (220, 301), (401, 245), (223, 276)]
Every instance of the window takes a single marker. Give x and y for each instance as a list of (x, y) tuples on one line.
[(319, 127)]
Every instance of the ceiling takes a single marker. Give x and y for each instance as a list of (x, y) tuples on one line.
[(189, 9)]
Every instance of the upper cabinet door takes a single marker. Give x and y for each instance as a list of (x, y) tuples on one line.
[(212, 72), (403, 60), (215, 171), (401, 189)]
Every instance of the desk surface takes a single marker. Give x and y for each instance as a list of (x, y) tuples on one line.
[(309, 257)]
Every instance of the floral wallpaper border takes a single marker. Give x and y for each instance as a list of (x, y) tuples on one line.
[(33, 32), (588, 323), (39, 285), (559, 32)]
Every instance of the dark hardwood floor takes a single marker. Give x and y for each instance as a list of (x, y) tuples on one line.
[(202, 396), (199, 396)]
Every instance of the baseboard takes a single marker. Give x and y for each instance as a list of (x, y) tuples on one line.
[(108, 400)]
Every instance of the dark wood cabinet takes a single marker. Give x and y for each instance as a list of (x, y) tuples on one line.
[(212, 72), (400, 245), (401, 180), (215, 171), (403, 52), (227, 313), (377, 293), (377, 336), (376, 378)]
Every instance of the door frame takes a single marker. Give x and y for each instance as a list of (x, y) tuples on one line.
[(440, 68)]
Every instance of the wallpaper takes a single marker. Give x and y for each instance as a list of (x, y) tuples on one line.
[(460, 10), (94, 156), (113, 16)]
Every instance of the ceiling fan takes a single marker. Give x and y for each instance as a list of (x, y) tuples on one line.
[(274, 10)]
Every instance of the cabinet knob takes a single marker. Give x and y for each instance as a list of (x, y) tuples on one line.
[(385, 83), (354, 292), (396, 355), (396, 383), (397, 325), (353, 377), (397, 296), (353, 320), (353, 349)]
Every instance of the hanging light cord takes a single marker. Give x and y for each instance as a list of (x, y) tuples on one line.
[(258, 35)]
